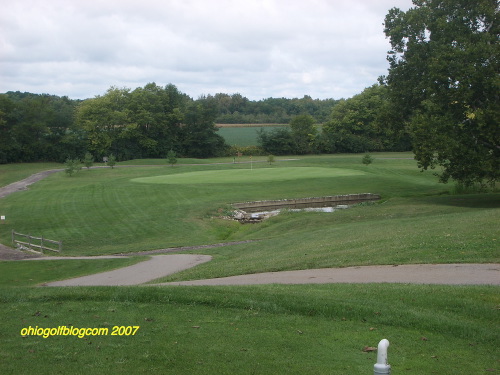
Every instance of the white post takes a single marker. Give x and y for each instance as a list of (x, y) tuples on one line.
[(381, 367)]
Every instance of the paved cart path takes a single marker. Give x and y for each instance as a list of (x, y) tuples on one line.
[(155, 267), (164, 265), (451, 274)]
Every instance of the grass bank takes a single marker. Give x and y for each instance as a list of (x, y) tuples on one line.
[(266, 329), (319, 329)]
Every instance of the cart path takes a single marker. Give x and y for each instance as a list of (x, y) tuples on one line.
[(155, 267), (163, 265), (450, 274)]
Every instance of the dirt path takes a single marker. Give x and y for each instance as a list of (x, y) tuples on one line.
[(23, 184)]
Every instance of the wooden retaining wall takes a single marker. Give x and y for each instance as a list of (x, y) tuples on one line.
[(306, 202)]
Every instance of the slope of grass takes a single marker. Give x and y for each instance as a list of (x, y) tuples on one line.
[(300, 329), (267, 329), (104, 211), (10, 173), (33, 272), (400, 231)]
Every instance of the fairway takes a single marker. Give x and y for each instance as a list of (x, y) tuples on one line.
[(248, 175), (259, 329)]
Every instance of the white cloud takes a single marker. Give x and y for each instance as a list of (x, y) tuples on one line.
[(259, 48)]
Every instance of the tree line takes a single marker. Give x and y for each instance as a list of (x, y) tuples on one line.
[(237, 109), (150, 121), (146, 122), (363, 123), (440, 98)]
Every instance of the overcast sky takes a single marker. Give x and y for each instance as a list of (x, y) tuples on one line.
[(258, 48)]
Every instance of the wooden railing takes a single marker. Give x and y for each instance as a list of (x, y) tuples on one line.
[(38, 244)]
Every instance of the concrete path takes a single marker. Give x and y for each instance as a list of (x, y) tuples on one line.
[(452, 274), (154, 268), (164, 265)]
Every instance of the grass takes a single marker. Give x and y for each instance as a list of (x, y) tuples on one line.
[(430, 230), (244, 135), (104, 211), (10, 173), (248, 176), (266, 329), (30, 273), (319, 329)]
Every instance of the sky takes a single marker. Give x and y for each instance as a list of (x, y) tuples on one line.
[(257, 48)]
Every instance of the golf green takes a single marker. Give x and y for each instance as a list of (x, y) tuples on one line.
[(239, 176)]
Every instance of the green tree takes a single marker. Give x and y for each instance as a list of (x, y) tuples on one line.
[(367, 159), (9, 151), (303, 133), (72, 166), (444, 82), (172, 157), (199, 133), (103, 118), (88, 160), (276, 142), (362, 123), (112, 161)]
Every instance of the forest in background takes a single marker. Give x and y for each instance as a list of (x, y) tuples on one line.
[(149, 121)]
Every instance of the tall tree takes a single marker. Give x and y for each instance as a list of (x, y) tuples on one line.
[(8, 149), (303, 133), (444, 80), (199, 133), (103, 118), (363, 123)]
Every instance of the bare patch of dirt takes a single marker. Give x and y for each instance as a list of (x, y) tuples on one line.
[(23, 184), (8, 253)]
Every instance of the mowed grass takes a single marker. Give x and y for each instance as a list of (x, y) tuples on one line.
[(34, 272), (249, 176), (10, 173), (106, 211), (410, 231), (301, 329), (266, 329)]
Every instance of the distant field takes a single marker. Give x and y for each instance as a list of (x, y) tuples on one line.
[(244, 134)]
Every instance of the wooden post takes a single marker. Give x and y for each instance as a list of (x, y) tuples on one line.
[(13, 235)]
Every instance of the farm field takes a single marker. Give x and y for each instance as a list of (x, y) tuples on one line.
[(267, 329), (244, 134)]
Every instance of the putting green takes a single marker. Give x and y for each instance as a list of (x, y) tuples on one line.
[(239, 176)]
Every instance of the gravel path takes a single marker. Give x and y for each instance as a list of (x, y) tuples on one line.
[(23, 184)]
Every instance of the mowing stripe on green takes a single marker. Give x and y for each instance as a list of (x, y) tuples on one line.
[(239, 176)]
